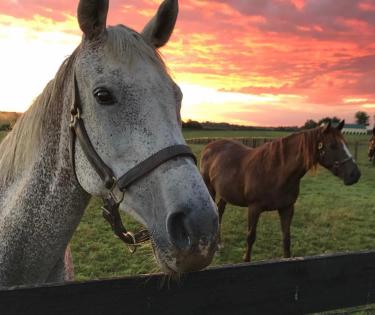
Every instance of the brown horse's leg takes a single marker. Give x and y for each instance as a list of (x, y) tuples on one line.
[(212, 192), (286, 216), (252, 220), (221, 208)]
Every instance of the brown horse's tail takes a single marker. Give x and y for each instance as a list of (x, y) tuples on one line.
[(204, 169)]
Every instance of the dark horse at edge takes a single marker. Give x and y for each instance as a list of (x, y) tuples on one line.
[(268, 177), (371, 147)]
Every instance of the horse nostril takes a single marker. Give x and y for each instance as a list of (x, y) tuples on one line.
[(178, 230)]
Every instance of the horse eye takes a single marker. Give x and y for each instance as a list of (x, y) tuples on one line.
[(104, 97)]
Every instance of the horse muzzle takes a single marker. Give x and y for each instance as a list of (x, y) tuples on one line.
[(353, 177), (192, 240)]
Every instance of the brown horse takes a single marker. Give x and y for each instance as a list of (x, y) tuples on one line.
[(371, 146), (268, 177)]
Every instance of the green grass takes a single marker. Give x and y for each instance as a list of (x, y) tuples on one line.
[(329, 217), (190, 134)]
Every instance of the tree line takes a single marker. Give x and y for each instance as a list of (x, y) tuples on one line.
[(209, 125), (361, 118)]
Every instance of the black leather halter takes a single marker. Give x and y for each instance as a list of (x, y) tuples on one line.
[(117, 186), (337, 163)]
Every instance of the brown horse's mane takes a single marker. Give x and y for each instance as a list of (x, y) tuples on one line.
[(305, 143), (308, 145)]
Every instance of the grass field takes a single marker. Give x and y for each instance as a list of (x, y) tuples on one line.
[(190, 134), (329, 217)]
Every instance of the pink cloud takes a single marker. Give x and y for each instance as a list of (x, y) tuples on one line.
[(120, 11)]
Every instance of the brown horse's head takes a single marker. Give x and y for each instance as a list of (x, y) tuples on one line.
[(371, 146), (335, 156)]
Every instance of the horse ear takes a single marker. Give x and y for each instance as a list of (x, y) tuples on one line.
[(92, 17), (341, 125), (158, 31), (327, 127)]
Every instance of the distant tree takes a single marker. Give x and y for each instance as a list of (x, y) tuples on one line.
[(334, 120), (283, 128), (192, 124), (310, 124), (362, 118)]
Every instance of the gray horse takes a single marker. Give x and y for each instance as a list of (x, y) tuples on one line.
[(131, 109)]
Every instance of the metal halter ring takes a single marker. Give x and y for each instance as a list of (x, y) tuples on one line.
[(132, 247)]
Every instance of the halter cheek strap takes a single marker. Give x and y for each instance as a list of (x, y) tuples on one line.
[(116, 187)]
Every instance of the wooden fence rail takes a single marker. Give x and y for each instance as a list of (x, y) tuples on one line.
[(297, 286), (250, 141), (257, 141)]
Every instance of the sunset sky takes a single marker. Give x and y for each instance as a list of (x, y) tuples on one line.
[(253, 62)]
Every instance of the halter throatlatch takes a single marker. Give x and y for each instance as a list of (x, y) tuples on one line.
[(117, 187)]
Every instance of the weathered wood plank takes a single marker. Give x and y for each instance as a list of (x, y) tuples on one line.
[(279, 287)]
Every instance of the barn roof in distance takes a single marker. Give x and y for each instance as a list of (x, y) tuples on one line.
[(355, 126)]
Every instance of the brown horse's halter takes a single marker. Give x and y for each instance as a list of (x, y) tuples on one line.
[(336, 164), (117, 186)]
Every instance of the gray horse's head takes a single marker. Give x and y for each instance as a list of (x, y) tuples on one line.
[(131, 110)]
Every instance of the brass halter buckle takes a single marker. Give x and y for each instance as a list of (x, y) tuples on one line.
[(132, 247), (115, 192), (138, 239)]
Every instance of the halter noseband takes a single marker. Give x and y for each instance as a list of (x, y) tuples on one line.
[(117, 186)]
